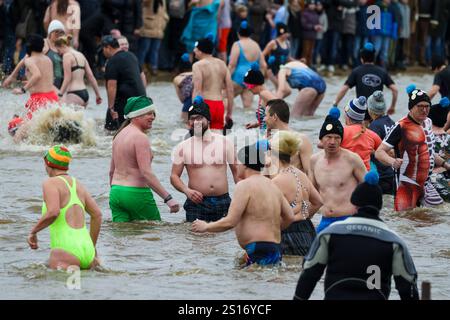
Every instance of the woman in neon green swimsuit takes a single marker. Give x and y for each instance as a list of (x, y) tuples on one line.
[(65, 202)]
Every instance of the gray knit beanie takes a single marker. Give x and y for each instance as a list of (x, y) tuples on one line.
[(376, 103)]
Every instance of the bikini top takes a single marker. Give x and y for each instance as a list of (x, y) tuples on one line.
[(293, 204), (77, 67)]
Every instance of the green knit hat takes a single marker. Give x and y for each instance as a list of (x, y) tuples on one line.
[(58, 157), (138, 106)]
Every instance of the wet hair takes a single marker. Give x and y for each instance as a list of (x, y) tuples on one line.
[(61, 7), (63, 41), (285, 144), (280, 108), (281, 29), (35, 43)]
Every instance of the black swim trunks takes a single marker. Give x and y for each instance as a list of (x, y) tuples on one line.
[(211, 209), (297, 238)]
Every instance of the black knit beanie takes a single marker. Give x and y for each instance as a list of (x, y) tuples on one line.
[(332, 125), (200, 107), (206, 45), (368, 193), (416, 96)]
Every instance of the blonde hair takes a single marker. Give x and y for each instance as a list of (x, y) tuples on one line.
[(286, 142), (64, 41)]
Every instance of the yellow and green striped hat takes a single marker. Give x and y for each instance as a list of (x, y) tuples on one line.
[(58, 157)]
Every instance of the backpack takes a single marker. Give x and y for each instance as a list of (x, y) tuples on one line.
[(177, 8)]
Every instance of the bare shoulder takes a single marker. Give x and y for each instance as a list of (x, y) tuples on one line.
[(316, 156)]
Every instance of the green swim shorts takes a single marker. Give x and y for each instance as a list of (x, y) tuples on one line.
[(132, 203)]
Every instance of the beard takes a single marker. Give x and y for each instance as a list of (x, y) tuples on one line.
[(196, 132)]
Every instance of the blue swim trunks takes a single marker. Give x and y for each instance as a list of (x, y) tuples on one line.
[(325, 222), (263, 253), (187, 103)]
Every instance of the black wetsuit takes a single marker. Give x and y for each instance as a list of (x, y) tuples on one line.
[(352, 251)]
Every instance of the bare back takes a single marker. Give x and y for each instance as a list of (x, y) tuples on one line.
[(336, 181), (76, 59), (261, 220), (252, 51), (124, 161), (41, 64), (211, 73)]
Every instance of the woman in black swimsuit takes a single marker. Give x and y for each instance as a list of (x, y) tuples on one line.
[(76, 68)]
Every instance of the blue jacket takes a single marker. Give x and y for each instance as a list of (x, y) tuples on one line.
[(389, 25)]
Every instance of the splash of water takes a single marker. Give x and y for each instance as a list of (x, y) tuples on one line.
[(60, 124)]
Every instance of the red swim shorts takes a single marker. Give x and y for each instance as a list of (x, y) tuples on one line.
[(217, 109), (39, 100), (223, 39)]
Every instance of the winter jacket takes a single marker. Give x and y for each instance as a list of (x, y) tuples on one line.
[(405, 26), (125, 15), (295, 24), (323, 20), (154, 23), (389, 25), (361, 22), (349, 21), (310, 19)]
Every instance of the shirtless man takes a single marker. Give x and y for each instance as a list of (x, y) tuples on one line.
[(131, 177), (39, 72), (259, 211), (277, 118), (335, 172), (205, 156), (210, 77)]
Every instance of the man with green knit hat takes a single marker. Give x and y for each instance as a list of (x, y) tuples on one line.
[(131, 177)]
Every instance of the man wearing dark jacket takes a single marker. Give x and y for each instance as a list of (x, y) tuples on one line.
[(361, 254), (125, 15), (428, 16)]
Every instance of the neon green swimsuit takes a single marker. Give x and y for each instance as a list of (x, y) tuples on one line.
[(77, 242)]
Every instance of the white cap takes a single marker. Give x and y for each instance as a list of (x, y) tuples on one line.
[(55, 25)]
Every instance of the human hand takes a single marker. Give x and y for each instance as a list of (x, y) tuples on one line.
[(199, 226), (114, 114), (397, 163), (252, 125), (32, 241), (173, 205), (391, 111), (98, 100), (17, 91), (194, 196), (7, 82)]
